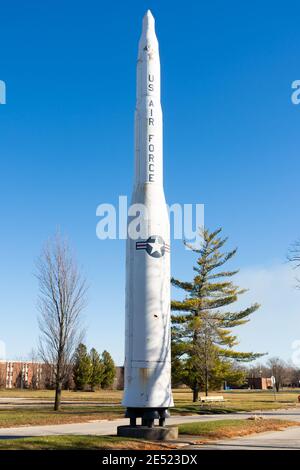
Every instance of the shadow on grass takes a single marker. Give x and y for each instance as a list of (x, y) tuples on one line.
[(73, 442), (3, 438)]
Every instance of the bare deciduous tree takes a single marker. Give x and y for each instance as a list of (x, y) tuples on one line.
[(278, 370), (293, 257), (294, 253), (3, 375), (35, 369), (62, 298)]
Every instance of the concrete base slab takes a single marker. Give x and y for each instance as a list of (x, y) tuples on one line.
[(157, 433)]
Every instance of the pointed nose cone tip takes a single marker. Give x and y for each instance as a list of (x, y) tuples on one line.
[(148, 21), (149, 14)]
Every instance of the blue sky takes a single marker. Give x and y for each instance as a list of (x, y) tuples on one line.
[(230, 142)]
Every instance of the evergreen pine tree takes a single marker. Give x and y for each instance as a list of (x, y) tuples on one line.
[(202, 338), (81, 367), (109, 370), (97, 369)]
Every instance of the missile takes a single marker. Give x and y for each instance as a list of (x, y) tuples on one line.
[(147, 375)]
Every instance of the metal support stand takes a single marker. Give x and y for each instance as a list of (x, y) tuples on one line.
[(147, 429)]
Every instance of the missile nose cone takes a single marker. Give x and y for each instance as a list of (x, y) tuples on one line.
[(148, 38), (148, 21)]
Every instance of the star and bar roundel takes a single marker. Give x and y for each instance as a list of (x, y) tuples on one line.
[(155, 246)]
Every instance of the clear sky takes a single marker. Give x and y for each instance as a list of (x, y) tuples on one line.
[(230, 142)]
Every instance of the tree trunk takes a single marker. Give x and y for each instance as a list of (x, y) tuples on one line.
[(57, 396), (206, 382), (195, 393)]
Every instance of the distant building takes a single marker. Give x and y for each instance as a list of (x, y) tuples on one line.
[(22, 374), (38, 375), (259, 383)]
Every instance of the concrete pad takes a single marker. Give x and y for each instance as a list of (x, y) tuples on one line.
[(156, 433)]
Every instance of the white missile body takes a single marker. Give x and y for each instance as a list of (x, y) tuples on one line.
[(148, 329)]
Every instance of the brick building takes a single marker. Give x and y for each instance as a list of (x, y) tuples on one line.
[(259, 383), (28, 374), (23, 374)]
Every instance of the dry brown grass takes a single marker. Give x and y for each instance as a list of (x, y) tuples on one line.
[(42, 416), (198, 433), (81, 443), (247, 400), (226, 429), (142, 445), (84, 411)]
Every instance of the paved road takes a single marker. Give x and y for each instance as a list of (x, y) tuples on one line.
[(289, 439), (104, 427)]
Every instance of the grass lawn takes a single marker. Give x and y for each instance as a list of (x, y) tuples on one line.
[(68, 414), (80, 443), (103, 396), (202, 433), (241, 400), (233, 427), (238, 400)]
